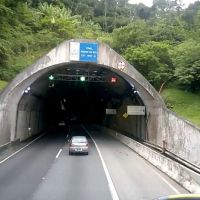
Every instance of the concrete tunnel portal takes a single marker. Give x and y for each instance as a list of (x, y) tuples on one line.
[(99, 87), (77, 93)]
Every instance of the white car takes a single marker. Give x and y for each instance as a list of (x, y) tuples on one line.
[(78, 144)]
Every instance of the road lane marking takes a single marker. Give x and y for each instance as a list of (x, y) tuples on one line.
[(58, 153), (22, 148), (166, 181), (109, 179)]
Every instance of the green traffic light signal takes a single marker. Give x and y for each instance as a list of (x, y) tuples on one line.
[(51, 77), (82, 78)]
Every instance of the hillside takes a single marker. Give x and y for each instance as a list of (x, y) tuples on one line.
[(183, 103), (2, 84), (162, 41)]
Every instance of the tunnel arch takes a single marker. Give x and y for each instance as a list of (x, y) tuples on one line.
[(110, 93), (59, 57)]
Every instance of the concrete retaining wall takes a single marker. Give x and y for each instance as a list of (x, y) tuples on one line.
[(182, 138), (187, 178)]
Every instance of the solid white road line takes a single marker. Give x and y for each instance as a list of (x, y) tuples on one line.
[(58, 153), (110, 183), (22, 148)]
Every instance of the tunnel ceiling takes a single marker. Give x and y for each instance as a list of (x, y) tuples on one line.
[(99, 81), (65, 95)]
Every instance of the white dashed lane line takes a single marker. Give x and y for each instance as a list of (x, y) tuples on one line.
[(58, 153)]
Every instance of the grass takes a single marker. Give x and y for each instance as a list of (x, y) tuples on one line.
[(183, 103), (3, 84)]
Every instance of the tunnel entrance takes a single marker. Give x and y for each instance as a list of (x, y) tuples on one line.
[(79, 93), (81, 81), (85, 81)]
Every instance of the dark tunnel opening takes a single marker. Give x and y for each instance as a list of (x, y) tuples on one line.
[(79, 94)]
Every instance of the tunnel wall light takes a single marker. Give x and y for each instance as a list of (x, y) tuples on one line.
[(27, 90)]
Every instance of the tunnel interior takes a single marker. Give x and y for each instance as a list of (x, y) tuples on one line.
[(78, 94)]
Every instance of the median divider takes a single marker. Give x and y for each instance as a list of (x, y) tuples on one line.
[(187, 178)]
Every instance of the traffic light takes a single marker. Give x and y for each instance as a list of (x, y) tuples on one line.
[(51, 77), (51, 82), (113, 80), (82, 78)]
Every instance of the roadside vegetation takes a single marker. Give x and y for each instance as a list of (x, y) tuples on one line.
[(3, 84), (162, 41), (185, 104)]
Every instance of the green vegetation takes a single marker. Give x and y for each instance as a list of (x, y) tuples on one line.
[(185, 104), (2, 84), (162, 41)]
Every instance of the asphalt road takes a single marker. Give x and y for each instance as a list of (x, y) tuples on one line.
[(133, 177), (44, 170)]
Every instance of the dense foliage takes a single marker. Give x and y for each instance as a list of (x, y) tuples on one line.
[(161, 41)]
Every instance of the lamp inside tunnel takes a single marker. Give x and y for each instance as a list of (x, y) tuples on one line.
[(26, 91)]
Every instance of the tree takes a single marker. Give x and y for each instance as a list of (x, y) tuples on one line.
[(58, 20), (187, 62), (5, 45), (171, 31), (153, 61), (133, 34), (191, 15), (142, 11)]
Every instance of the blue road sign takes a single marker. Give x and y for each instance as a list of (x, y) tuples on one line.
[(89, 52)]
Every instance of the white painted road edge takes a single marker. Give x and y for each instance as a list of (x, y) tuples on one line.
[(58, 153), (110, 183), (22, 148)]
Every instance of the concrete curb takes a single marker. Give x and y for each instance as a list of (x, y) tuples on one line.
[(185, 177)]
